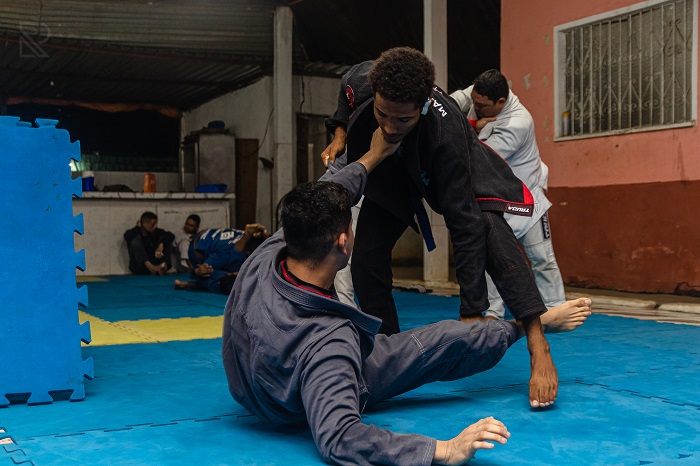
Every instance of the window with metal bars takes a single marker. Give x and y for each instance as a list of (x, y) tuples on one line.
[(629, 70)]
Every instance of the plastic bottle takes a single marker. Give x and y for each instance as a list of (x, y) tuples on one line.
[(149, 183), (565, 124), (88, 181)]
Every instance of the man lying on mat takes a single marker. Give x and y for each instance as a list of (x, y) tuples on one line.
[(216, 256), (294, 353)]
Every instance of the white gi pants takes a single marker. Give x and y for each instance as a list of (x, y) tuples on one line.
[(343, 279), (537, 243)]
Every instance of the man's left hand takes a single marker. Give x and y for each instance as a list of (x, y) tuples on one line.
[(204, 270)]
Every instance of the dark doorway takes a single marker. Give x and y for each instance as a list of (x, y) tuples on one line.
[(246, 182), (312, 138)]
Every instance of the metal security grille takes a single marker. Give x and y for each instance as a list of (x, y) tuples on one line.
[(629, 72)]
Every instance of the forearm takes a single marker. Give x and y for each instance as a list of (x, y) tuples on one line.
[(368, 444), (243, 242), (340, 135), (332, 403)]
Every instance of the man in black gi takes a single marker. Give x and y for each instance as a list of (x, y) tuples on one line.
[(441, 160)]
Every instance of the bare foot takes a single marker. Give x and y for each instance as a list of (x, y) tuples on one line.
[(567, 316), (181, 285), (544, 381)]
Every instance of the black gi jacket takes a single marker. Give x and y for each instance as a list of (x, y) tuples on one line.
[(442, 161)]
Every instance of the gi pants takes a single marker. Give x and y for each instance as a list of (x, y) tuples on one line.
[(138, 255), (441, 351), (378, 231), (537, 243)]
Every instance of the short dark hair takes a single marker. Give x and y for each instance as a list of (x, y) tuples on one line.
[(148, 216), (195, 218), (492, 84), (403, 74), (313, 215)]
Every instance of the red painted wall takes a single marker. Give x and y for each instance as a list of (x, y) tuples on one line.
[(624, 214)]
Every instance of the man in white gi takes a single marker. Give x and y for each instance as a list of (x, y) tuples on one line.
[(505, 125)]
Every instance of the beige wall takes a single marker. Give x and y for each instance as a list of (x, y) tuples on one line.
[(658, 248), (246, 111)]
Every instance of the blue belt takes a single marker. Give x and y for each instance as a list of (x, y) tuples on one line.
[(423, 221)]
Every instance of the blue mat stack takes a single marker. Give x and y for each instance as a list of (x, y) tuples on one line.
[(40, 343)]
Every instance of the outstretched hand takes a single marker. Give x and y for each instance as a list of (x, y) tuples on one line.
[(379, 149), (463, 447)]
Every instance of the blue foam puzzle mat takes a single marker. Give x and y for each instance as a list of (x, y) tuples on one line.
[(40, 346), (627, 397)]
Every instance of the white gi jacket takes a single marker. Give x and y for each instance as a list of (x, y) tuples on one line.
[(512, 136)]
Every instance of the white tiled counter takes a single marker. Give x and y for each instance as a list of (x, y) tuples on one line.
[(107, 216)]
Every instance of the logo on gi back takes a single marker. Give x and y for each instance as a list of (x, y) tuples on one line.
[(440, 108), (227, 235), (351, 96), (546, 232), (516, 209)]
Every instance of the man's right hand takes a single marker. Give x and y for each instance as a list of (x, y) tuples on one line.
[(334, 148), (379, 149), (481, 122), (462, 448)]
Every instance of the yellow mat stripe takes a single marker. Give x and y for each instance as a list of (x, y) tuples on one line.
[(126, 332), (186, 328), (89, 278)]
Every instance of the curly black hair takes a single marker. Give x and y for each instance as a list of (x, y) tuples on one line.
[(313, 216), (403, 74)]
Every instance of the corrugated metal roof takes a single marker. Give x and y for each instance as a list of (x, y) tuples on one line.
[(237, 27), (166, 53), (182, 53)]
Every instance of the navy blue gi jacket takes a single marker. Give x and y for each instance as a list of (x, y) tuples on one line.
[(218, 249)]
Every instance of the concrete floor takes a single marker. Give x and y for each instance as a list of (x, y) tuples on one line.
[(646, 306)]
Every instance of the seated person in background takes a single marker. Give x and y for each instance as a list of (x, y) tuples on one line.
[(182, 243), (217, 255), (150, 248)]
